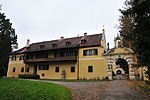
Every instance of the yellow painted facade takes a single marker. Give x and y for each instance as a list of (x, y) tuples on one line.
[(91, 62), (15, 65), (51, 74), (97, 61)]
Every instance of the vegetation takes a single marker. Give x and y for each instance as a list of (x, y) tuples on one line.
[(8, 41), (15, 89), (140, 86), (29, 76), (138, 13)]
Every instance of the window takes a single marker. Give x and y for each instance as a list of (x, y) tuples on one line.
[(43, 74), (38, 56), (83, 41), (28, 69), (21, 58), (14, 69), (57, 69), (90, 52), (90, 68), (29, 57), (72, 69), (44, 67), (22, 69), (65, 54), (68, 43), (42, 46), (13, 58), (54, 45)]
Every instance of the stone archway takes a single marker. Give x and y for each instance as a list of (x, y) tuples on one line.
[(115, 56)]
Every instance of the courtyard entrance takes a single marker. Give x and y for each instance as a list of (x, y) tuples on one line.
[(121, 71)]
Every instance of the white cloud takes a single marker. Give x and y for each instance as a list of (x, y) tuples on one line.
[(41, 20)]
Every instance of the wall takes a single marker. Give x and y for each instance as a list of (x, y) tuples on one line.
[(97, 61), (123, 53), (51, 74), (18, 64)]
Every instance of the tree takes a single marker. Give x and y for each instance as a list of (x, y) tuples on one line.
[(8, 41), (126, 29), (139, 11)]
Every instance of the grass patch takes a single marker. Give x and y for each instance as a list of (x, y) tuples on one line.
[(73, 80), (15, 89)]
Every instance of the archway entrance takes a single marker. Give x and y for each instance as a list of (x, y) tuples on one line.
[(121, 63), (122, 69)]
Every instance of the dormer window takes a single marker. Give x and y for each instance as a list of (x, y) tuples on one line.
[(54, 45), (68, 43), (42, 46), (83, 41), (28, 48)]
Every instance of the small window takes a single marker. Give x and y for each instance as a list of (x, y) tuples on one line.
[(22, 69), (54, 45), (68, 43), (43, 74), (42, 46), (28, 69), (83, 41), (90, 68), (72, 69), (14, 69), (57, 69)]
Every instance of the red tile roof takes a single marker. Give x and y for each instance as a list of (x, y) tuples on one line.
[(91, 40), (20, 51)]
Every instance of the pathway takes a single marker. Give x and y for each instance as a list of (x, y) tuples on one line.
[(108, 90), (119, 90)]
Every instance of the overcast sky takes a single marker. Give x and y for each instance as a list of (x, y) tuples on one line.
[(43, 20)]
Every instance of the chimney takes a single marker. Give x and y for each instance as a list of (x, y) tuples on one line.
[(61, 37), (28, 43), (103, 30), (85, 34)]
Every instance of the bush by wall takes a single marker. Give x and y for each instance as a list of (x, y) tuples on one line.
[(29, 76)]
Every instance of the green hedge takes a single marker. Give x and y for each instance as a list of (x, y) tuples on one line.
[(29, 76)]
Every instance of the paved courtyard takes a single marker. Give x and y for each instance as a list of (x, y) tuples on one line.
[(108, 90)]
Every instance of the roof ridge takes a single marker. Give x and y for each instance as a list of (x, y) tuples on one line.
[(64, 39)]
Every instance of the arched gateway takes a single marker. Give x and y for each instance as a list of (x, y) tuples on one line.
[(120, 61)]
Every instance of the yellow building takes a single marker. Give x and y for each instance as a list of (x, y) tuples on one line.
[(84, 57)]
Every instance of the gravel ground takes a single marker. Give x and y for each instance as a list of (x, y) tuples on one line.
[(108, 90), (119, 90), (86, 90)]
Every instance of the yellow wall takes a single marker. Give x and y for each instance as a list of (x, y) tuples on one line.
[(51, 74), (120, 50), (97, 61), (18, 64), (141, 71)]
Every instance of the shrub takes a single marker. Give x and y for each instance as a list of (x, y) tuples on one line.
[(147, 82), (29, 76)]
